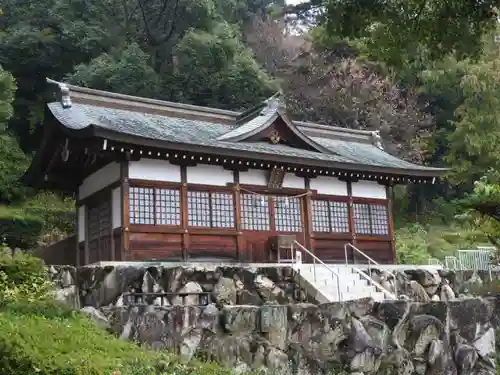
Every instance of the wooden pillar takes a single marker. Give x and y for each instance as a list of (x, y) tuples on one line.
[(307, 215), (125, 208), (390, 220), (184, 213), (77, 248), (240, 240), (350, 215), (86, 255), (111, 234)]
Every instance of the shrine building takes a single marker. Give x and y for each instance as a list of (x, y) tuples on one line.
[(164, 181)]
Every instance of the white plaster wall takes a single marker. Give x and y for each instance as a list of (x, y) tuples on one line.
[(99, 180), (81, 223), (368, 189), (116, 207), (155, 170), (209, 175), (292, 181), (328, 185), (254, 177)]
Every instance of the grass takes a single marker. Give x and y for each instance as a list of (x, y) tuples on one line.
[(47, 339)]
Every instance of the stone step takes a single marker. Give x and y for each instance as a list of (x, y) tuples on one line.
[(351, 279), (347, 288), (351, 284)]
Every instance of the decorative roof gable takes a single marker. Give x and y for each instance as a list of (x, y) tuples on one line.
[(270, 123)]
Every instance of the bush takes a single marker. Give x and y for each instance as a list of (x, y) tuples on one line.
[(45, 338), (56, 212), (19, 229), (22, 277)]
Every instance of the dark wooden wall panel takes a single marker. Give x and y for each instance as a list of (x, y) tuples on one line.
[(379, 251), (118, 245), (256, 246), (159, 246), (212, 246), (329, 250)]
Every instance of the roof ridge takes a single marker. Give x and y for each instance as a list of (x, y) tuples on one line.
[(142, 100), (316, 125)]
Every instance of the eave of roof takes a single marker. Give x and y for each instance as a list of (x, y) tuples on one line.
[(338, 148)]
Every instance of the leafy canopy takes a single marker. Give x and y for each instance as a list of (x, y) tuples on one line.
[(7, 90), (397, 29)]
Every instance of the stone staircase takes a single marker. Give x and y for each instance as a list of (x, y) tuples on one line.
[(322, 283), (334, 282)]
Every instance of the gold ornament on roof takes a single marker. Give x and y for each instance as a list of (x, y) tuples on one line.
[(274, 137)]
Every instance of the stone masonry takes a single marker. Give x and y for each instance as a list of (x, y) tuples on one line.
[(261, 318)]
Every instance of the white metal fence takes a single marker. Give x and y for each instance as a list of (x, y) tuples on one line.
[(468, 260)]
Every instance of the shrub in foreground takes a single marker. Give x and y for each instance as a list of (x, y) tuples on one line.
[(45, 338), (22, 276)]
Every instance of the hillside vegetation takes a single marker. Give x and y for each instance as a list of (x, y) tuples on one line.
[(41, 337)]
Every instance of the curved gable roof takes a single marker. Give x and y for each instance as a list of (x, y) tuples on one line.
[(266, 117)]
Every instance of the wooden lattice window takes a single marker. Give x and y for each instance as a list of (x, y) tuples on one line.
[(371, 219), (167, 206), (207, 209), (141, 205), (379, 219), (288, 214), (222, 210), (99, 220), (254, 212), (198, 203), (154, 206), (329, 216)]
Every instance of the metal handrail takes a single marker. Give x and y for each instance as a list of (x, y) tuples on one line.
[(375, 284), (368, 277), (316, 259)]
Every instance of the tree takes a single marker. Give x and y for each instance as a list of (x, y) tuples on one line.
[(13, 162), (332, 87), (50, 38), (7, 90), (216, 69), (397, 30), (126, 71), (475, 138)]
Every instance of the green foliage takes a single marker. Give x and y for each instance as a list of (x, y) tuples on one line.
[(133, 49), (46, 338), (22, 277), (56, 212), (127, 71), (486, 192), (19, 229), (416, 243), (395, 31), (13, 163), (215, 69), (7, 89)]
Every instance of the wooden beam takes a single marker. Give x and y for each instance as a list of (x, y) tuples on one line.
[(307, 214), (184, 213), (111, 229), (350, 215), (125, 211), (390, 220), (86, 255)]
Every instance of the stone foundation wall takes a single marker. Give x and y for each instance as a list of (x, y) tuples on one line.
[(262, 318), (106, 286), (362, 337)]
